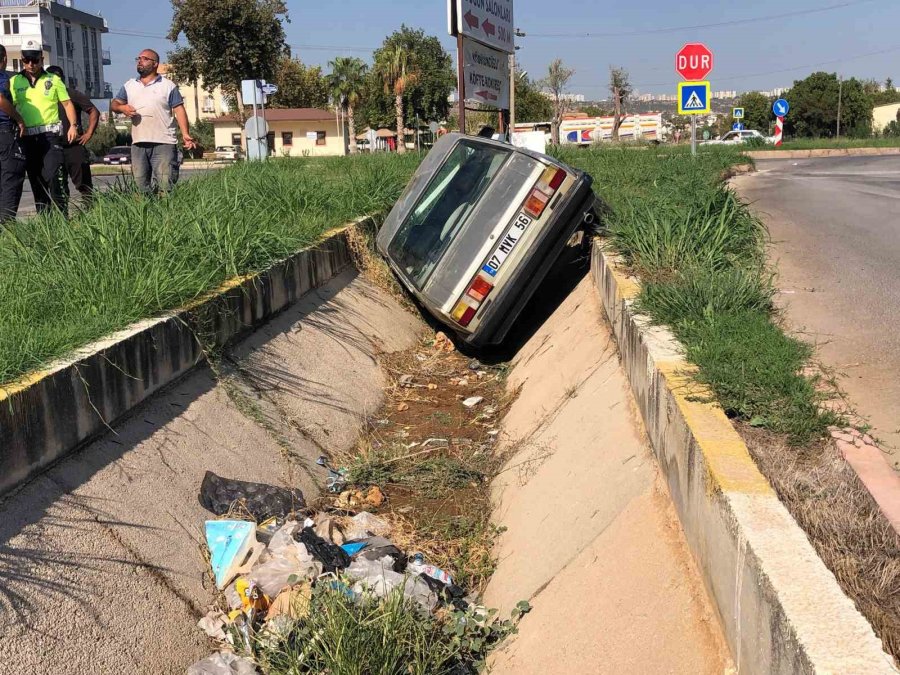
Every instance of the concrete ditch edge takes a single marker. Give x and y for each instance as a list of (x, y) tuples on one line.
[(781, 609), (51, 413), (821, 152)]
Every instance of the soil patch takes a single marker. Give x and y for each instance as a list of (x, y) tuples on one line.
[(432, 452), (843, 522)]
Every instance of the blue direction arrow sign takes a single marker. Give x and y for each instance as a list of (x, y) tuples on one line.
[(780, 107), (693, 98), (737, 126)]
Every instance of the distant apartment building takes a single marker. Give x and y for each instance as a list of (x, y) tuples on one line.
[(200, 103), (72, 39), (568, 98)]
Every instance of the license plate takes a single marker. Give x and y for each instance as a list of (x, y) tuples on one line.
[(507, 244)]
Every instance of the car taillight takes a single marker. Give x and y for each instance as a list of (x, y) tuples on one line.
[(536, 203), (547, 185), (468, 305), (480, 289)]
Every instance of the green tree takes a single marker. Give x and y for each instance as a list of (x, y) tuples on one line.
[(595, 111), (888, 96), (814, 107), (425, 96), (104, 138), (396, 64), (531, 104), (757, 111), (204, 133), (620, 88), (299, 86), (227, 41), (347, 83), (892, 130), (555, 85)]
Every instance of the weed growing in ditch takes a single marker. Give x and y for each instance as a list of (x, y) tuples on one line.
[(66, 283), (371, 636)]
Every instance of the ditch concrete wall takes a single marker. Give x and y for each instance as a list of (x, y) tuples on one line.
[(781, 609), (51, 413)]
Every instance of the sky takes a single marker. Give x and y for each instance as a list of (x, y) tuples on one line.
[(854, 38)]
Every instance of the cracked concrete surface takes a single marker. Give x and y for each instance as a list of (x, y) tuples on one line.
[(101, 557)]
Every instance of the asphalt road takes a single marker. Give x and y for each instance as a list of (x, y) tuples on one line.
[(26, 207), (835, 226)]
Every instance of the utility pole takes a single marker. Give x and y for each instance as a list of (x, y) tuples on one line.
[(840, 96), (461, 79), (512, 92)]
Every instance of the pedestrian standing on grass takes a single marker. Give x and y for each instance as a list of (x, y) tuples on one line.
[(153, 104), (38, 96), (12, 160), (75, 155)]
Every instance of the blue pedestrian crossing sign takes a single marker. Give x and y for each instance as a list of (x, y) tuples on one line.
[(737, 113), (780, 107), (693, 98)]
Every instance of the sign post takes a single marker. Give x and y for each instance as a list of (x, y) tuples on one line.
[(484, 39), (693, 100), (780, 108), (694, 62)]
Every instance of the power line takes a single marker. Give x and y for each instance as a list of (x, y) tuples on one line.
[(720, 24), (730, 78), (330, 48)]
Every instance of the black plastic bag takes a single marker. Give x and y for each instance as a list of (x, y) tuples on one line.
[(222, 496), (379, 547), (449, 593), (332, 557)]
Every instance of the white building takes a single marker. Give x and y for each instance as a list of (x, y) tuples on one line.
[(72, 40)]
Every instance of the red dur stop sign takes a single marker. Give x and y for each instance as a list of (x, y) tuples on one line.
[(694, 61)]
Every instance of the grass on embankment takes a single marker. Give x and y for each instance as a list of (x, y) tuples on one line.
[(701, 256), (66, 283)]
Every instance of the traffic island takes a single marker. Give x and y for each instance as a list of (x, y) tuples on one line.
[(781, 609)]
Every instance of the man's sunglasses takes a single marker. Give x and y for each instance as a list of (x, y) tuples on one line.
[(32, 59)]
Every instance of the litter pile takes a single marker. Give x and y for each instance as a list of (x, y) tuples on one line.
[(284, 569)]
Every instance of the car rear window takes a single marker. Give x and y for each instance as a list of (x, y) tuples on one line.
[(120, 150), (443, 208)]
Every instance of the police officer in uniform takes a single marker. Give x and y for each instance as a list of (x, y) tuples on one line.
[(37, 95), (75, 155), (12, 161)]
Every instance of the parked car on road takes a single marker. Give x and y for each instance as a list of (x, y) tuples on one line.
[(121, 154), (229, 152), (738, 137), (479, 227)]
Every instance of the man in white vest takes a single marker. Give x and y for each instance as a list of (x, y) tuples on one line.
[(153, 104)]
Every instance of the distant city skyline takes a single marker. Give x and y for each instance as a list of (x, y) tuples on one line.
[(761, 46)]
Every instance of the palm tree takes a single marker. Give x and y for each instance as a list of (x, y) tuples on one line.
[(346, 83), (396, 64)]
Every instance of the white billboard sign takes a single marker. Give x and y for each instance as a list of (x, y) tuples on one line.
[(490, 22), (487, 74)]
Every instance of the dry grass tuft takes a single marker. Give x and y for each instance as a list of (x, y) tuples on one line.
[(843, 522)]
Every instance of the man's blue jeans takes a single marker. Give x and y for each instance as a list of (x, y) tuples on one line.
[(153, 166)]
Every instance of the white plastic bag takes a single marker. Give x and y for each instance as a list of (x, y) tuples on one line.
[(365, 524), (223, 663)]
